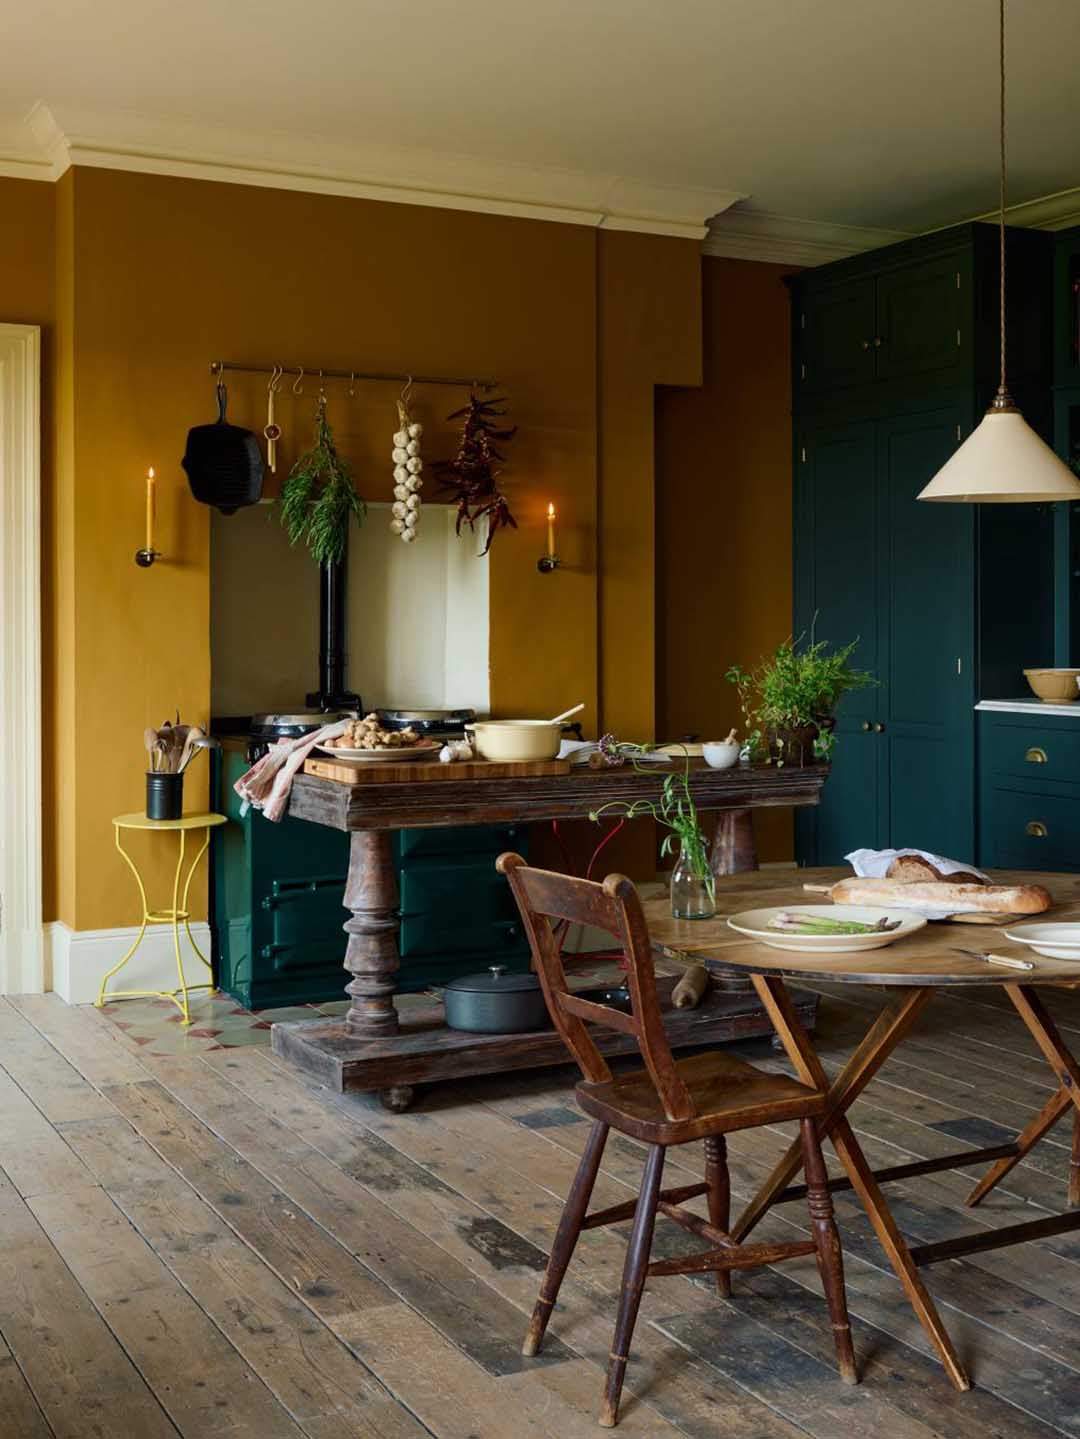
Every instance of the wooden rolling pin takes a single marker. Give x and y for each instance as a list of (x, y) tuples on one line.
[(691, 987)]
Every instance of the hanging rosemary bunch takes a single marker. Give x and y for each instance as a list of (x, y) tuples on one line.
[(473, 474), (319, 498)]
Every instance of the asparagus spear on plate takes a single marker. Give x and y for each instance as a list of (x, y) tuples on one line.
[(791, 922)]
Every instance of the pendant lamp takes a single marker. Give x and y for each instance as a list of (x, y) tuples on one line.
[(1003, 461)]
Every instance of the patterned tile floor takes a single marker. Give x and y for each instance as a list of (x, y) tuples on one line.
[(220, 1022)]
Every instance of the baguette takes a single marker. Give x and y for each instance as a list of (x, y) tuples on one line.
[(943, 897)]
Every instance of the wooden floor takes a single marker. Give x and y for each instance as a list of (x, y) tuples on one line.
[(204, 1246)]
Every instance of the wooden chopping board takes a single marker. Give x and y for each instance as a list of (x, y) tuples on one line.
[(358, 771)]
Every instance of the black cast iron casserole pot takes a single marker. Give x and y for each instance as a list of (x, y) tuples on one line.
[(496, 1002)]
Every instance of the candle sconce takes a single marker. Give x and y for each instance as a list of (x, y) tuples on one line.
[(546, 563), (145, 557)]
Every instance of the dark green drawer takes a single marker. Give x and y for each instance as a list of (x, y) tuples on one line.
[(1033, 751), (449, 908), (462, 839), (1031, 829)]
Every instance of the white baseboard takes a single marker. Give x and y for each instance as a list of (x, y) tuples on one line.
[(80, 957)]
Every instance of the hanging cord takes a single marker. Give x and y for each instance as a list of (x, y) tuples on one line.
[(1003, 389)]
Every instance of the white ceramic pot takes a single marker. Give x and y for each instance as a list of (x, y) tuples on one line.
[(719, 755), (515, 741)]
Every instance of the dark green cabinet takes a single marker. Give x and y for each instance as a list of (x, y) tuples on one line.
[(874, 566), (276, 902), (929, 591), (1029, 790), (1067, 308), (912, 319)]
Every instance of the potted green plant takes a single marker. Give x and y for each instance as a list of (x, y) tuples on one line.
[(693, 885), (789, 700)]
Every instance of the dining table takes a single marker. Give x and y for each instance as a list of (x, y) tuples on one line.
[(941, 957)]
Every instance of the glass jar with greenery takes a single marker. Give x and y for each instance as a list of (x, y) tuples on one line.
[(789, 700)]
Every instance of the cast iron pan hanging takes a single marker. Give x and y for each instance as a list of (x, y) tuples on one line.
[(223, 462)]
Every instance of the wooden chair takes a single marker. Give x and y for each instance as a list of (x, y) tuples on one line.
[(668, 1102)]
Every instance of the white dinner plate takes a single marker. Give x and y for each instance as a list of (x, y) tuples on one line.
[(754, 924), (393, 753), (1055, 941)]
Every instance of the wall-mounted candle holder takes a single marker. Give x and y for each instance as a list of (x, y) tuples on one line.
[(546, 563), (145, 557)]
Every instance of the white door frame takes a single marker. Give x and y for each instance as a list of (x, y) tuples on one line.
[(22, 955)]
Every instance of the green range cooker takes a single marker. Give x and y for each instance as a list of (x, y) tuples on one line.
[(276, 911)]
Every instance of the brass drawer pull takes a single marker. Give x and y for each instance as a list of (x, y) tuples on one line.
[(1035, 828), (866, 726), (1035, 755)]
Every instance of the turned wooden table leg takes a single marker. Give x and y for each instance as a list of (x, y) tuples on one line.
[(733, 849), (371, 893), (733, 852)]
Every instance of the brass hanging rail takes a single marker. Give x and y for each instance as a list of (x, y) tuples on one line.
[(218, 367)]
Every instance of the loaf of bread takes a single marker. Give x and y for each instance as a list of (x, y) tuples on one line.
[(943, 897), (913, 869)]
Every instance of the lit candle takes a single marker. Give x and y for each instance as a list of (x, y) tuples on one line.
[(151, 484), (551, 531)]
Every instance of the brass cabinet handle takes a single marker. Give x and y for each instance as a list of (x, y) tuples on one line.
[(879, 728), (878, 342), (866, 726), (866, 344), (1035, 755), (1036, 829)]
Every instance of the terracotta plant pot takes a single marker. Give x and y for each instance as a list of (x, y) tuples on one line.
[(795, 747)]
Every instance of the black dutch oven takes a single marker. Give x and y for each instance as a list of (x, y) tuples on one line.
[(496, 1002)]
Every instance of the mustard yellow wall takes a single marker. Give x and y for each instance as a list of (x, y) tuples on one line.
[(723, 591), (155, 276)]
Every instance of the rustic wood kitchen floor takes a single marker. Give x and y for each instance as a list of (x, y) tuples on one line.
[(204, 1245)]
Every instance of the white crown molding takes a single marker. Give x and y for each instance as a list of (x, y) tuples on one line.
[(50, 141), (81, 957), (741, 234), (1048, 212)]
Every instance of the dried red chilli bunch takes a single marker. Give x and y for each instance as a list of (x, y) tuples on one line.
[(474, 471)]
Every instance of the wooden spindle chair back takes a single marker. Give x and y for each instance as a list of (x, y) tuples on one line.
[(614, 906)]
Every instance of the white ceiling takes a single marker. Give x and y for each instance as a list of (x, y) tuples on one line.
[(875, 114)]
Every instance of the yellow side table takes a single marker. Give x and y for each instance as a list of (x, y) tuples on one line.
[(177, 915)]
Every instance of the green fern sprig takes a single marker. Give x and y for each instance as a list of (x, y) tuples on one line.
[(319, 497)]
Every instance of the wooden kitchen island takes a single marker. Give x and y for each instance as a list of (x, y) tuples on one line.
[(376, 1047)]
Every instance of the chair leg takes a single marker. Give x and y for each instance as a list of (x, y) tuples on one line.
[(566, 1237), (829, 1254), (719, 1196), (633, 1282)]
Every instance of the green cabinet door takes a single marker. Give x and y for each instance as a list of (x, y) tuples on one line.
[(926, 751), (1067, 308), (837, 585), (836, 337), (924, 318)]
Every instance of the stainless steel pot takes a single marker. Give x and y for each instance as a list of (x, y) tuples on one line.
[(496, 1002)]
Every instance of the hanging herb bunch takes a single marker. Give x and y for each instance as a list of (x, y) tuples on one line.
[(473, 474), (319, 497)]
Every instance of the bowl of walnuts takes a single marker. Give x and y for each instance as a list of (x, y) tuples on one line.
[(366, 739)]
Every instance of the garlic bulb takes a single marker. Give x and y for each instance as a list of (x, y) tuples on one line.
[(407, 467)]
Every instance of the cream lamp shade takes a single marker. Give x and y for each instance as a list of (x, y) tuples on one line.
[(1003, 461)]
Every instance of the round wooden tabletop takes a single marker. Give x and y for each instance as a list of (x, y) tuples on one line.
[(942, 953)]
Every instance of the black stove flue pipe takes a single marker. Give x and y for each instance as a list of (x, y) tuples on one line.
[(332, 693)]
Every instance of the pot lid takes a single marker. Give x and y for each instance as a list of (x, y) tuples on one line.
[(495, 980), (302, 719), (392, 712)]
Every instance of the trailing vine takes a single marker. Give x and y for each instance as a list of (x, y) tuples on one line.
[(319, 497)]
